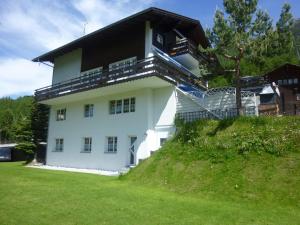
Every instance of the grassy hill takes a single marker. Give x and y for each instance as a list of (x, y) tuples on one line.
[(254, 160)]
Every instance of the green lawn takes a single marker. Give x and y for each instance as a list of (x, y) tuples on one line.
[(33, 196)]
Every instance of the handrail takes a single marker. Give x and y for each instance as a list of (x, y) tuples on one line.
[(153, 66), (186, 46)]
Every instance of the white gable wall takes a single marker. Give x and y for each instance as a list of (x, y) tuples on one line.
[(67, 66), (153, 119)]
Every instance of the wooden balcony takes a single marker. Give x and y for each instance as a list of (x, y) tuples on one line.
[(149, 67), (185, 46)]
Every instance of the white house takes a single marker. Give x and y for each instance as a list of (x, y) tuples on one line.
[(115, 92)]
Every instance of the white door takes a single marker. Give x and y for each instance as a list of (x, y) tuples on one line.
[(132, 150)]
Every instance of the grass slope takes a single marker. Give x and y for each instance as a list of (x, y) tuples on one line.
[(211, 173), (254, 160)]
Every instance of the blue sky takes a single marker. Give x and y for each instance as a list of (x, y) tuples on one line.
[(29, 28)]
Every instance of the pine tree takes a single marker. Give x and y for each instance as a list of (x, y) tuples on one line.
[(230, 36), (284, 30), (24, 138)]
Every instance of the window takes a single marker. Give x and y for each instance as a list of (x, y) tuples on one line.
[(279, 82), (160, 39), (122, 65), (291, 81), (112, 107), (95, 71), (132, 105), (298, 97), (88, 110), (61, 114), (119, 107), (162, 141), (87, 144), (285, 82), (126, 105), (296, 81), (112, 143), (59, 144)]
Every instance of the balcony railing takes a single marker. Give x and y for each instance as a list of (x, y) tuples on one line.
[(184, 46), (154, 66)]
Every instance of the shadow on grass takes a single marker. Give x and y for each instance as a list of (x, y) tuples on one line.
[(222, 125)]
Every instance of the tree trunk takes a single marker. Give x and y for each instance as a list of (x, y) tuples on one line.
[(238, 97)]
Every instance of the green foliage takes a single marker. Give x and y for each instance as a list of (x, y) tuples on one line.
[(24, 137), (11, 113), (244, 39), (39, 122)]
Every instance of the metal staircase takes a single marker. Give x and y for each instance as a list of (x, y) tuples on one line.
[(197, 96)]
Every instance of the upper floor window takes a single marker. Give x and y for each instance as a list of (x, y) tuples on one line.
[(112, 144), (87, 144), (126, 105), (160, 39), (296, 81), (59, 144), (132, 105), (95, 71), (290, 81), (89, 110), (61, 114), (118, 106), (123, 65)]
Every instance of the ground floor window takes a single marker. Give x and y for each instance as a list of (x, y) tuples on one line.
[(87, 144), (59, 144), (162, 141), (112, 144)]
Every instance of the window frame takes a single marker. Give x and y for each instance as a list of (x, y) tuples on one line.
[(59, 145), (89, 144), (111, 144), (132, 104), (61, 114), (88, 110), (160, 39), (126, 105), (162, 141), (112, 107), (119, 106), (122, 64)]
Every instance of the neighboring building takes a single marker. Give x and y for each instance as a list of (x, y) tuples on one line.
[(287, 78), (8, 152), (267, 97), (115, 92)]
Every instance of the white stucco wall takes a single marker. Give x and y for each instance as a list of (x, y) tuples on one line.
[(152, 120), (148, 40), (67, 66)]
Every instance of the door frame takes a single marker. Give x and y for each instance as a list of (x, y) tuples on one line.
[(129, 149)]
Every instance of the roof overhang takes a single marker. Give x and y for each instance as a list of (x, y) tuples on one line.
[(283, 71), (191, 27)]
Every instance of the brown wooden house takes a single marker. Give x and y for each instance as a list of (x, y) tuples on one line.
[(287, 77)]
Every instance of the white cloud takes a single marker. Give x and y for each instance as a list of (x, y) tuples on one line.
[(30, 28), (20, 76)]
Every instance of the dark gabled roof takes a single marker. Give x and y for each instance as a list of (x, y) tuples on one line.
[(156, 15), (284, 70)]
